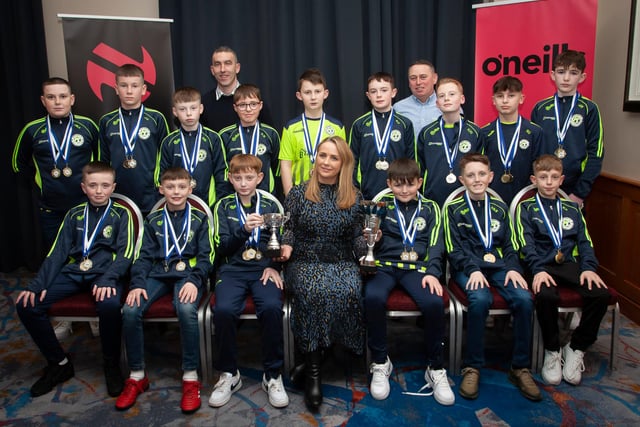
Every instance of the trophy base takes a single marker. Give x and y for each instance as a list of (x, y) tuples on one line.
[(368, 268), (272, 253)]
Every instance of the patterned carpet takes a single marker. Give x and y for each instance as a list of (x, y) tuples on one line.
[(601, 399)]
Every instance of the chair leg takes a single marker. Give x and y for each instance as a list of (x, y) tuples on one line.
[(202, 328), (615, 337)]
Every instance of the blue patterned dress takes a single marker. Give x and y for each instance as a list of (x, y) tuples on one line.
[(322, 275)]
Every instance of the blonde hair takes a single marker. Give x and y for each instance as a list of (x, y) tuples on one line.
[(346, 190)]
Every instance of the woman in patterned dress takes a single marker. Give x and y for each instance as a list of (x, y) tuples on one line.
[(322, 274)]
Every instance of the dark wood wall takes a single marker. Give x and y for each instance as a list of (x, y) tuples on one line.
[(613, 219)]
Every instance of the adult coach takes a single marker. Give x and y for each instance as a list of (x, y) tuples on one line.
[(218, 103), (420, 107)]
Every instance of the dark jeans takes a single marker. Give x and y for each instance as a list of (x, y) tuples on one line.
[(594, 307), (376, 292), (50, 222), (36, 320)]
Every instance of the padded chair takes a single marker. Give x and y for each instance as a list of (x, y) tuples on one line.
[(81, 307), (249, 313), (570, 301), (401, 305)]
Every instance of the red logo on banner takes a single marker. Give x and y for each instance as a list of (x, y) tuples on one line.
[(98, 75)]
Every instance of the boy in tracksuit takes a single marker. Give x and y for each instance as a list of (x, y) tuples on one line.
[(92, 253), (409, 253), (483, 252), (379, 137), (241, 242), (572, 126), (194, 147), (558, 252), (175, 257), (130, 138)]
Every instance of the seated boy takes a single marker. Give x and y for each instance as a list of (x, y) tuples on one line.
[(409, 254), (557, 251), (482, 252), (92, 252), (194, 147), (251, 136), (511, 142), (244, 269), (379, 137), (175, 257)]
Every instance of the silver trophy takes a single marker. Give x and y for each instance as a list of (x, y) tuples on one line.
[(274, 221), (374, 212)]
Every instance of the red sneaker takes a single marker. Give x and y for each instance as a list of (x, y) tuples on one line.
[(132, 388), (190, 397)]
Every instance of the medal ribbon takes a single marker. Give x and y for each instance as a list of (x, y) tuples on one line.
[(554, 233), (129, 140), (170, 231), (408, 230), (507, 154), (255, 136), (382, 143), (450, 154), (312, 149), (61, 149), (486, 237), (190, 162), (87, 241), (254, 238), (561, 132)]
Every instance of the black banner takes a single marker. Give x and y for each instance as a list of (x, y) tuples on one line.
[(96, 47)]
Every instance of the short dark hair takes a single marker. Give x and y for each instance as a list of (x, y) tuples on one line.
[(403, 170), (570, 57), (186, 94), (423, 62), (509, 83), (246, 91), (381, 76), (312, 75), (174, 173), (129, 70), (473, 157), (56, 81), (547, 162), (97, 166)]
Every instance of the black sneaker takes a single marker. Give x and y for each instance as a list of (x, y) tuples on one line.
[(54, 374), (113, 378)]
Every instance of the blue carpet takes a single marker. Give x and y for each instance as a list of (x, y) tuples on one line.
[(602, 399)]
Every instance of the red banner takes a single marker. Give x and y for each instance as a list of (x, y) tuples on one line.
[(522, 39)]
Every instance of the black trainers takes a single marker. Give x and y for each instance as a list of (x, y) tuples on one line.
[(113, 378), (54, 374)]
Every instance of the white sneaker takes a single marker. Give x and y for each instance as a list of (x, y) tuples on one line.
[(573, 365), (95, 328), (62, 329), (552, 368), (439, 383), (275, 389), (224, 388), (380, 379)]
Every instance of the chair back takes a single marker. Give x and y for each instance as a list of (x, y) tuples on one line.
[(526, 193), (460, 190), (134, 213), (273, 198), (194, 201)]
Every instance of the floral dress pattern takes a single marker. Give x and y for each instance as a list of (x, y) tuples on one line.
[(322, 275)]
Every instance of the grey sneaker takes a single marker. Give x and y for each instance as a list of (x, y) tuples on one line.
[(552, 368), (224, 388)]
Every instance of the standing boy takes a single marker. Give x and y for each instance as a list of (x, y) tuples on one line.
[(572, 126), (511, 142), (558, 251), (175, 257), (246, 270), (55, 148), (195, 148), (483, 253), (251, 136), (130, 137), (302, 134), (409, 254), (92, 252), (440, 144), (379, 137)]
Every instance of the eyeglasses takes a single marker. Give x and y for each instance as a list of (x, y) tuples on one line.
[(247, 106)]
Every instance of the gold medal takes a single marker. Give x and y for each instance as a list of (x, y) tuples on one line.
[(66, 171), (133, 163), (55, 172), (404, 256), (451, 178), (413, 256), (559, 258), (489, 257), (249, 254), (506, 178), (193, 183), (86, 264), (181, 266), (125, 164), (560, 153)]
